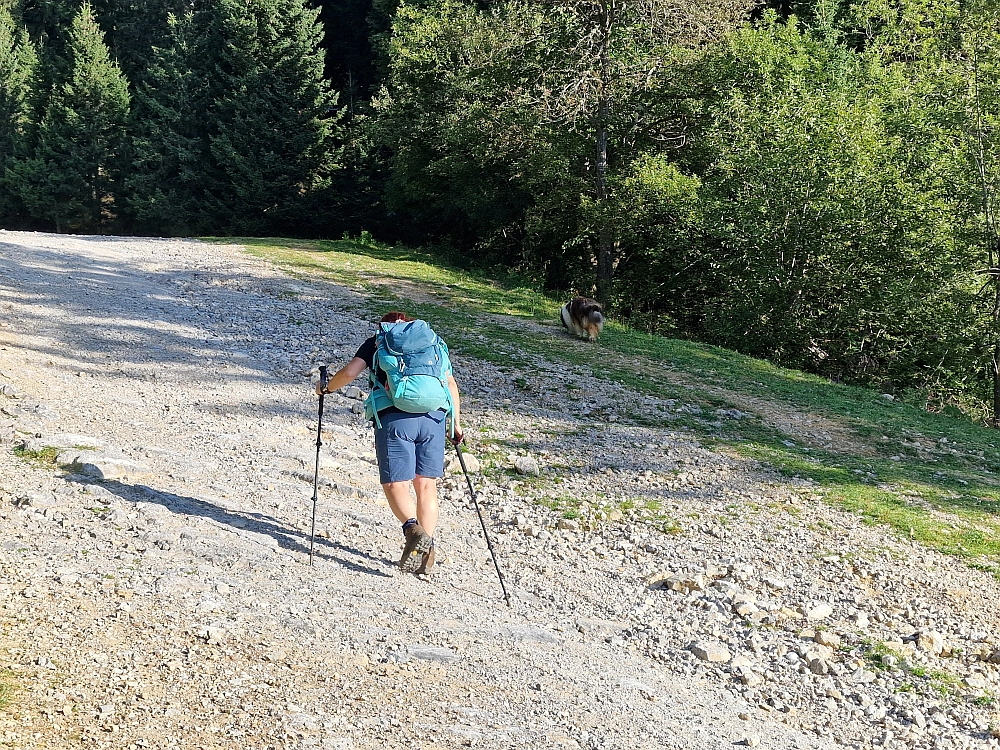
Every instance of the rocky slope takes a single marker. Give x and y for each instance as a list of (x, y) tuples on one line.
[(158, 440)]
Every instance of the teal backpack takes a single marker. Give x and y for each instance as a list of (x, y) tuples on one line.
[(416, 363)]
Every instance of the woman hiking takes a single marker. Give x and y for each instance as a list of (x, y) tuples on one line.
[(413, 394)]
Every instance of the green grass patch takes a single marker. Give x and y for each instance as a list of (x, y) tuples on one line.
[(45, 457), (881, 657), (7, 688), (932, 477)]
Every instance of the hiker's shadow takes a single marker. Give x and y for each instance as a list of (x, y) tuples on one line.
[(257, 523)]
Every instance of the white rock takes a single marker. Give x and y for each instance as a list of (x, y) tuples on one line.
[(819, 666), (712, 651), (827, 638), (111, 468), (526, 465), (976, 681), (819, 612), (930, 641), (748, 677)]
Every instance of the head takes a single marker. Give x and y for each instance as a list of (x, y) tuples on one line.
[(395, 317)]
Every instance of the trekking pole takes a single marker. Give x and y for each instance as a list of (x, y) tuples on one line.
[(319, 444), (489, 544)]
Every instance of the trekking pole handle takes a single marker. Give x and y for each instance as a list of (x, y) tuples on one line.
[(323, 379)]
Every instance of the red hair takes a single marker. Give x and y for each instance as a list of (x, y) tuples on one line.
[(395, 317)]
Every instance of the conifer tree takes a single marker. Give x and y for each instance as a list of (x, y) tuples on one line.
[(170, 159), (234, 124), (273, 134), (69, 180), (17, 67)]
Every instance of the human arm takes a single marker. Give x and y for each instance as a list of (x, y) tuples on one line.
[(346, 374), (456, 409)]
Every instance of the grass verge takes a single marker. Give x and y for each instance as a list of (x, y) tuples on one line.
[(934, 478)]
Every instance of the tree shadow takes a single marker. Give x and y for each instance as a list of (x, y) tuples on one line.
[(254, 522)]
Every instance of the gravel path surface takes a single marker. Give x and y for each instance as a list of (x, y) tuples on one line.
[(157, 443)]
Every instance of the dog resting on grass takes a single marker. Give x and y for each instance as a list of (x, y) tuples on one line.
[(584, 317)]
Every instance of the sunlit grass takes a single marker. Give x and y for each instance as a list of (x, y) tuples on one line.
[(7, 688), (931, 477)]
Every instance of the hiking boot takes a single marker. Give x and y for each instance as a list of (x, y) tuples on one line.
[(426, 561), (418, 542)]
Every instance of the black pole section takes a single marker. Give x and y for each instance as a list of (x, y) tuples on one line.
[(319, 444), (489, 544)]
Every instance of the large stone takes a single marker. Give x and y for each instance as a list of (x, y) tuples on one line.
[(828, 639), (599, 628), (712, 651), (110, 468), (930, 641), (472, 464), (748, 677), (744, 604), (819, 612), (976, 681), (433, 653), (526, 465), (686, 583), (819, 666)]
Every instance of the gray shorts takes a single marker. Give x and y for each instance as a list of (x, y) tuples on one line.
[(409, 444)]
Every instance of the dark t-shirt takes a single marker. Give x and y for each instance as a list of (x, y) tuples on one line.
[(367, 352)]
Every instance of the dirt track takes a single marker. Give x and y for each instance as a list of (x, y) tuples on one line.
[(170, 604)]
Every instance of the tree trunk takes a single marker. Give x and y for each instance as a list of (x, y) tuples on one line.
[(996, 386), (996, 347), (605, 233)]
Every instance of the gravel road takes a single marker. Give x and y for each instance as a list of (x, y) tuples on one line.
[(157, 444)]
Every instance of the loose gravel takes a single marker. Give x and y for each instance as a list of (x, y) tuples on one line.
[(157, 446)]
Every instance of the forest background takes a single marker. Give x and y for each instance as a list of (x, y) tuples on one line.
[(810, 181)]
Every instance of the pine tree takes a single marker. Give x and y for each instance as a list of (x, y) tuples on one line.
[(69, 180), (273, 135), (235, 124), (18, 62), (170, 158)]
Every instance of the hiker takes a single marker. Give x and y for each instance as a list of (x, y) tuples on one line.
[(409, 445)]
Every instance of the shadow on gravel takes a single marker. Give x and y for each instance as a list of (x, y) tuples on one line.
[(254, 523)]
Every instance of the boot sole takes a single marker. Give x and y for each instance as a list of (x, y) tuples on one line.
[(426, 562), (419, 543)]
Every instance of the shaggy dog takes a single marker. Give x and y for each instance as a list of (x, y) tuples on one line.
[(583, 317)]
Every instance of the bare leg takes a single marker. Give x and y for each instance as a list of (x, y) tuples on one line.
[(402, 505), (427, 502)]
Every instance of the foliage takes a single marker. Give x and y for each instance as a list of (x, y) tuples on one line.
[(69, 176), (18, 63), (233, 127), (510, 125)]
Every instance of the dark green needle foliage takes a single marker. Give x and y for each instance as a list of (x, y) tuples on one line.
[(68, 179), (18, 65), (234, 123)]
